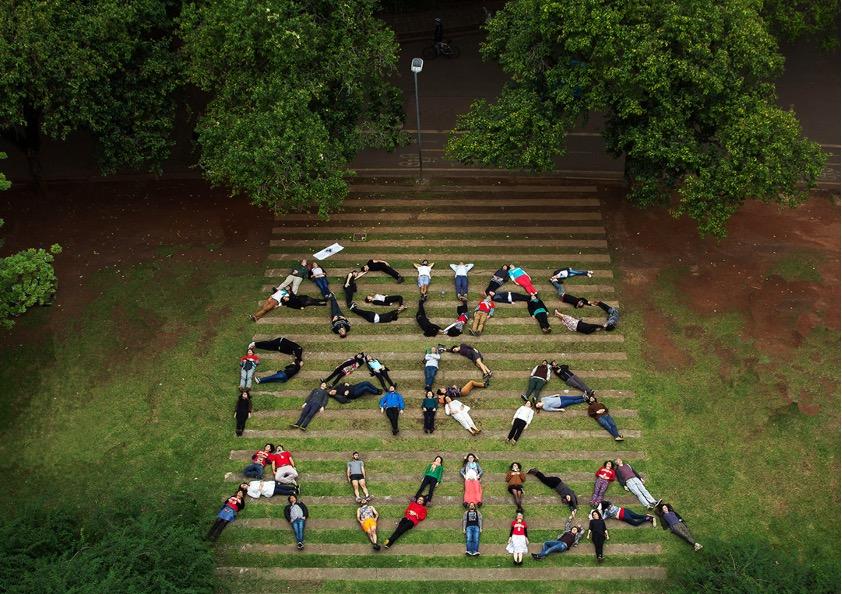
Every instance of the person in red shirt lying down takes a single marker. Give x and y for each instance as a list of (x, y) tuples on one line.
[(415, 512)]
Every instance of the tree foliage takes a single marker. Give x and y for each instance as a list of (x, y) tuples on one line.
[(685, 89), (104, 66), (791, 20), (134, 551), (296, 89)]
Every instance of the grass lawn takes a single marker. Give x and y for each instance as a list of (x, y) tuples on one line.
[(130, 396)]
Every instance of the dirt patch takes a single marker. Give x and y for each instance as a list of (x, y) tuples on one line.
[(658, 348), (115, 225), (733, 274)]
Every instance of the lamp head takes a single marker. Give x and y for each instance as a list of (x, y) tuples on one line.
[(417, 65)]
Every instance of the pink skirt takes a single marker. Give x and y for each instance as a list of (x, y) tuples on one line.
[(473, 491)]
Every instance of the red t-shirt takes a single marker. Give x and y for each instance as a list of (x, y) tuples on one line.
[(234, 503), (518, 528), (281, 458), (253, 358), (261, 457), (419, 515), (486, 306), (606, 473)]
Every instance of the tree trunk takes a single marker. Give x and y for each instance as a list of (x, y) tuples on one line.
[(28, 140)]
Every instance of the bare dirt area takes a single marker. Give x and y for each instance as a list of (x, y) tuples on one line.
[(116, 225), (778, 269)]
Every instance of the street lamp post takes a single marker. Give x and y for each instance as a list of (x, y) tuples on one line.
[(416, 67)]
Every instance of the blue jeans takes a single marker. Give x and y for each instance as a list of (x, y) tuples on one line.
[(461, 285), (573, 272), (254, 470), (472, 538), (552, 546), (430, 372), (608, 424), (298, 529), (246, 377), (275, 377), (321, 283), (559, 287), (560, 402), (364, 388)]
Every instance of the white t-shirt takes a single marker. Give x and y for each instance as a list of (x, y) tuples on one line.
[(376, 318), (317, 271), (379, 297), (525, 413), (258, 488), (424, 270), (432, 360), (280, 294), (461, 269)]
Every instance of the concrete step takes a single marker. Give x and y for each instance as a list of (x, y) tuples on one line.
[(418, 375), (463, 243), (427, 456), (389, 356), (351, 523), (551, 259), (547, 339), (492, 188), (531, 572), (441, 500), (538, 234), (509, 396), (455, 219), (442, 430), (309, 316), (447, 204), (434, 550), (337, 411)]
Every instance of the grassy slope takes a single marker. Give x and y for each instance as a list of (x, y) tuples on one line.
[(131, 398)]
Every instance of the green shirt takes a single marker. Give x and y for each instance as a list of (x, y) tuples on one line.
[(434, 472), (430, 404), (300, 269)]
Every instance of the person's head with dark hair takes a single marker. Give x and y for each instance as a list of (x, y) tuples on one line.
[(438, 461), (470, 457), (268, 447), (343, 332), (292, 499), (244, 487), (608, 464), (515, 467), (596, 514), (420, 500), (355, 455), (454, 348)]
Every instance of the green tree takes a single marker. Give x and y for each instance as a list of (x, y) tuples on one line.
[(296, 88), (684, 86), (104, 66), (791, 20)]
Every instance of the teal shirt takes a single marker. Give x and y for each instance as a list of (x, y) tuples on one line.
[(430, 404), (434, 472)]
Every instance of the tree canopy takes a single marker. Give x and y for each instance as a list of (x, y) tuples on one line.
[(796, 19), (105, 66), (685, 89), (296, 88)]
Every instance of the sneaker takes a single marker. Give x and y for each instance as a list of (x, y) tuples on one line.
[(375, 546), (302, 428), (536, 556), (468, 553), (353, 305), (300, 545), (476, 554), (252, 318), (401, 280), (293, 426), (486, 381), (386, 544), (359, 499), (251, 346), (256, 380), (600, 559), (654, 522), (401, 308), (697, 547), (532, 471), (524, 398), (590, 273), (619, 438), (368, 498)]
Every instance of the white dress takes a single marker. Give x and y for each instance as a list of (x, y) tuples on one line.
[(459, 411), (517, 544)]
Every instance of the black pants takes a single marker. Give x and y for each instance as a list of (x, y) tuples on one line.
[(572, 300), (282, 345), (429, 421), (510, 297), (306, 301), (429, 482), (543, 322), (393, 414), (385, 318), (380, 267), (586, 328), (337, 374), (349, 292), (384, 379), (518, 425), (403, 526), (492, 286), (307, 413), (598, 543), (216, 529), (242, 417), (551, 481), (427, 326), (285, 489), (389, 300)]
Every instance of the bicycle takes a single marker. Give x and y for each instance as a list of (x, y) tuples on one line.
[(442, 48)]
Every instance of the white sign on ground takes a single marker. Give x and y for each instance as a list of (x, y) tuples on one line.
[(328, 251)]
